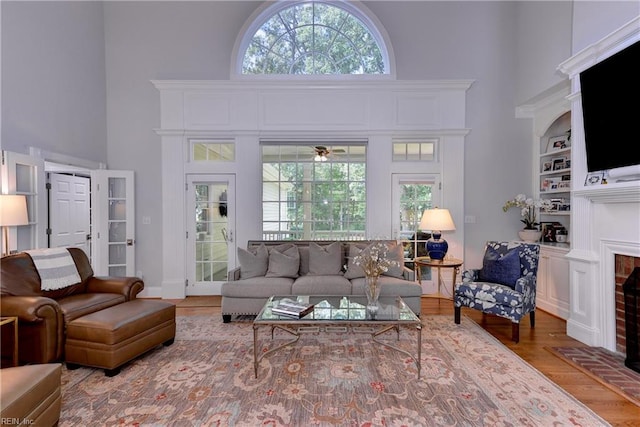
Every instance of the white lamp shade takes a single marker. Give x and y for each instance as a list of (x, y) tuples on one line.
[(437, 220), (13, 210)]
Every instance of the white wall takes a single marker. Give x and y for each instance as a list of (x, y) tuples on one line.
[(53, 78), (543, 42), (594, 20)]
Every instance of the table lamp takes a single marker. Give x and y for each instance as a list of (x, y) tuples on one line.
[(13, 212), (436, 220)]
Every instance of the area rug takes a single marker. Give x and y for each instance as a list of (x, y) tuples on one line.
[(604, 366), (206, 378)]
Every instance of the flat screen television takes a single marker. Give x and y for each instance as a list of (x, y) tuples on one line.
[(611, 111)]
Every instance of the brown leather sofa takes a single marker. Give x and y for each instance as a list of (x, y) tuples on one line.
[(43, 316), (31, 395)]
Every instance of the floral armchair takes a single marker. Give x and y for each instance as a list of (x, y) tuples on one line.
[(505, 286)]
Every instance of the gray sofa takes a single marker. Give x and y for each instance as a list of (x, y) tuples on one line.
[(305, 267)]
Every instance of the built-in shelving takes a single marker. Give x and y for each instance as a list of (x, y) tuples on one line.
[(554, 180)]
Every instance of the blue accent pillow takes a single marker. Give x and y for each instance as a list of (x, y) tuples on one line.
[(502, 269)]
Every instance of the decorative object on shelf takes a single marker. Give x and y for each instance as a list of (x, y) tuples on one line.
[(13, 212), (374, 261), (530, 236), (437, 220), (528, 210)]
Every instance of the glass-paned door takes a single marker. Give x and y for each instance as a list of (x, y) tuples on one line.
[(412, 194), (210, 237), (113, 242)]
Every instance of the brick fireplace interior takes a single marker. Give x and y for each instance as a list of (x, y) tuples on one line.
[(624, 266)]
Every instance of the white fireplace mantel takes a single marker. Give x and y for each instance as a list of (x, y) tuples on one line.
[(613, 193)]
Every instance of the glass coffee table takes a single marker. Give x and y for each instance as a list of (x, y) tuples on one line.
[(339, 314)]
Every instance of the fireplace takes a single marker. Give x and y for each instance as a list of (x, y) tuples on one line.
[(631, 289)]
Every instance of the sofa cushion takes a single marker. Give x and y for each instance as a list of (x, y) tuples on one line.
[(502, 269), (257, 287), (284, 261), (325, 260), (253, 263), (79, 305), (321, 285)]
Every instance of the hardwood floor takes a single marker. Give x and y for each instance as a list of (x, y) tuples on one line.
[(550, 331)]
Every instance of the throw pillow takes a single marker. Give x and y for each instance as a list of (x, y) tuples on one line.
[(502, 269), (395, 253), (325, 260), (354, 271), (253, 263), (284, 261)]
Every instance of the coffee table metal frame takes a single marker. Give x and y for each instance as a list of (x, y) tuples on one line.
[(339, 314)]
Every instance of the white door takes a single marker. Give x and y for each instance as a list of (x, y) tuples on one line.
[(411, 195), (211, 246), (69, 211), (113, 213)]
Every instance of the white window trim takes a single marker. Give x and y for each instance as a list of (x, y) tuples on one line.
[(356, 8)]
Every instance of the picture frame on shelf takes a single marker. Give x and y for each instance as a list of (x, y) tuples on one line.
[(564, 184), (557, 143), (593, 178), (559, 163), (549, 184), (546, 166), (549, 231)]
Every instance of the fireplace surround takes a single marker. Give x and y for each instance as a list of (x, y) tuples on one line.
[(604, 218)]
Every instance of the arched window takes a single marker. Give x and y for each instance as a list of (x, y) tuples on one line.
[(313, 38)]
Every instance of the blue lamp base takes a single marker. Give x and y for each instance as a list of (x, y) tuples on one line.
[(436, 247)]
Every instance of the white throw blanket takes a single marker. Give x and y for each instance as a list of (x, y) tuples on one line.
[(55, 267)]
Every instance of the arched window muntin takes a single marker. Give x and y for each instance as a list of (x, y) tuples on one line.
[(354, 10)]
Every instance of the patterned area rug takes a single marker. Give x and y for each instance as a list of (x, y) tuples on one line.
[(328, 379), (604, 366)]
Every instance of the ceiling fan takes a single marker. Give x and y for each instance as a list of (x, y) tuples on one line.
[(322, 153)]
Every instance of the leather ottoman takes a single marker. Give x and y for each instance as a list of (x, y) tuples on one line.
[(109, 338), (30, 395)]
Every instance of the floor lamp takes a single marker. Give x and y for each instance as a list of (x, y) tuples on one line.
[(13, 212)]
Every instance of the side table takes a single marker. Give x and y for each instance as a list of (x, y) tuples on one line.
[(7, 321), (453, 263)]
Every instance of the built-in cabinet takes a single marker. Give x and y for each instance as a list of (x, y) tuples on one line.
[(552, 292)]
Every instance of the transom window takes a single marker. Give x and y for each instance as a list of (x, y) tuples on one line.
[(212, 151), (414, 150), (314, 191), (314, 38)]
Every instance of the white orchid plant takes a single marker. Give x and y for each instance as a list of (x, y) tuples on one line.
[(528, 209)]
